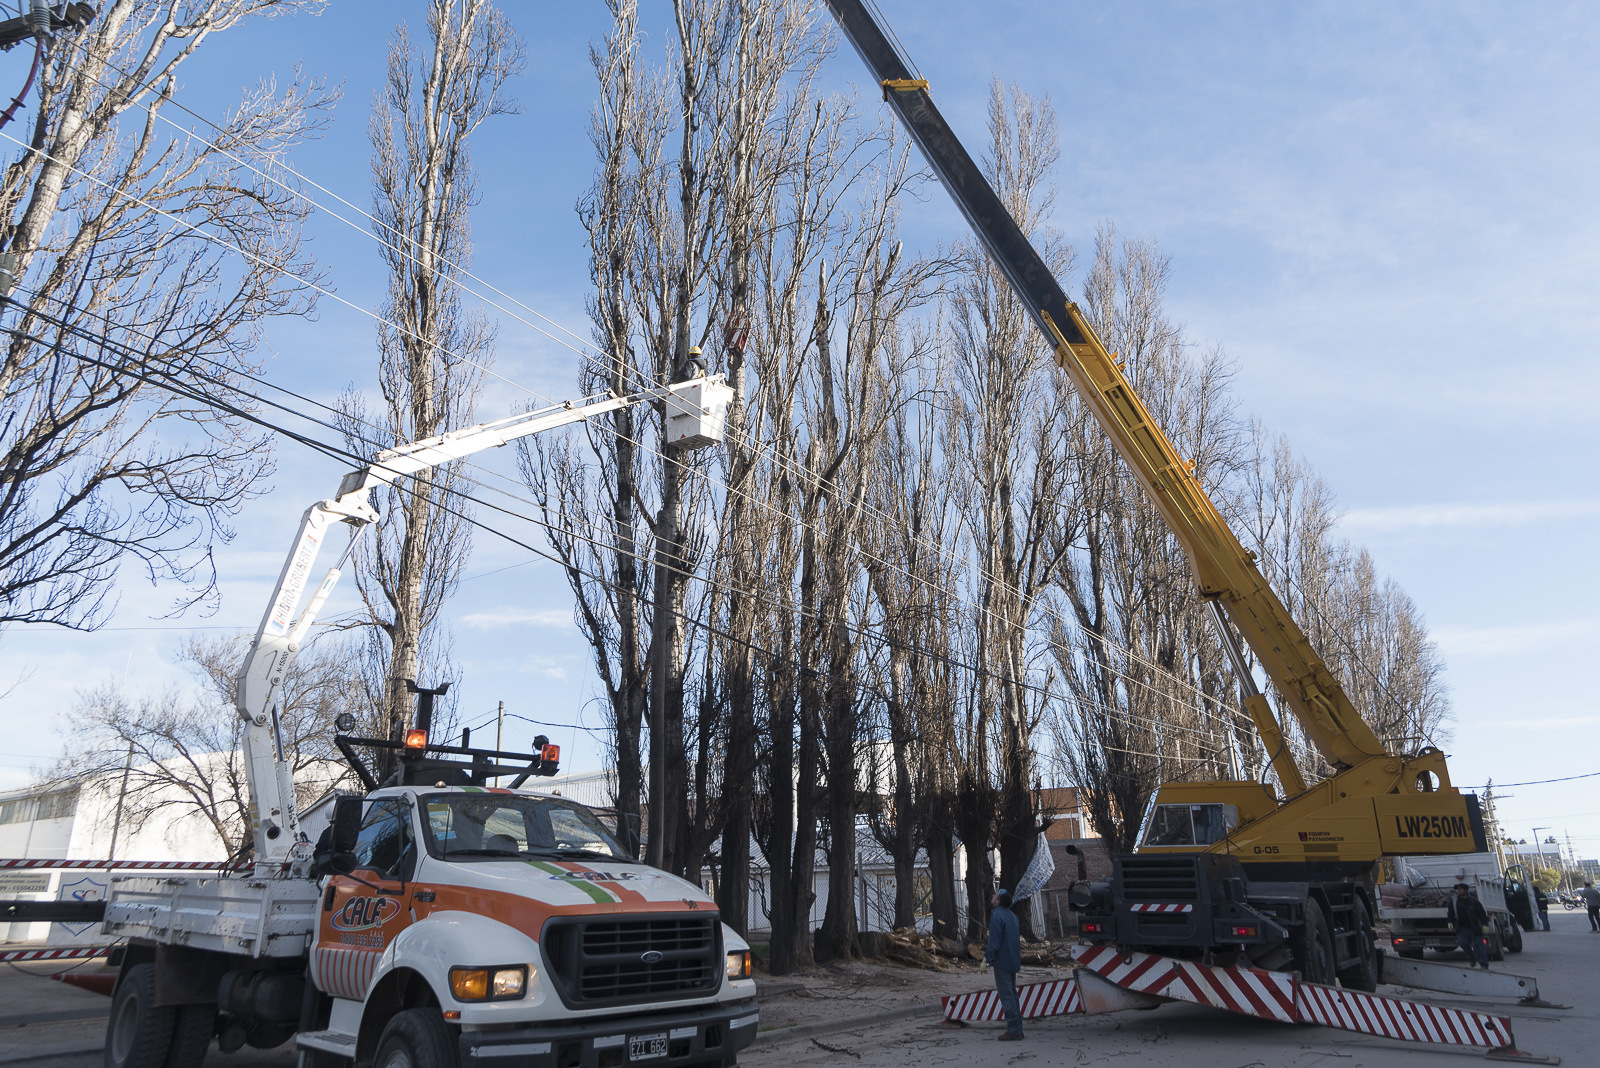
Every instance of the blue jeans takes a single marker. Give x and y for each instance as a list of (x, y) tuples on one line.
[(1006, 984), (1472, 943)]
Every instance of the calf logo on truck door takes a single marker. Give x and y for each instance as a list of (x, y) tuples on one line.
[(361, 913)]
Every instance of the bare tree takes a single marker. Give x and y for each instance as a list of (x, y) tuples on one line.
[(1135, 649), (181, 747), (431, 350), (108, 214), (1007, 437)]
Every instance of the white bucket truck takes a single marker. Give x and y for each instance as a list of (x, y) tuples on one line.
[(442, 922)]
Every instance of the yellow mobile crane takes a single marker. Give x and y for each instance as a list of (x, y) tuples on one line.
[(1222, 870)]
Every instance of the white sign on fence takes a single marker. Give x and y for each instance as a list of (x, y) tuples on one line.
[(24, 882)]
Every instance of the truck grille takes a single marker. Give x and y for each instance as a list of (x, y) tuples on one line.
[(599, 963), (1159, 879)]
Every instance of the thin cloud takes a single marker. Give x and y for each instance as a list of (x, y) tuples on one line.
[(1433, 516), (555, 618), (1491, 641)]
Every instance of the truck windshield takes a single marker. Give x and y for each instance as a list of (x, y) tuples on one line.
[(487, 826), (1189, 825)]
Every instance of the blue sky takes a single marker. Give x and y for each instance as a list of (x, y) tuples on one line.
[(1387, 214)]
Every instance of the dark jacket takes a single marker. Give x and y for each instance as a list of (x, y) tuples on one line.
[(1004, 951), (1541, 900), (1466, 913)]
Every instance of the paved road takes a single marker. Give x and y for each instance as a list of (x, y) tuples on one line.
[(1566, 962)]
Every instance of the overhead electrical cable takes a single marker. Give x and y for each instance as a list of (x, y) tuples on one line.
[(166, 380)]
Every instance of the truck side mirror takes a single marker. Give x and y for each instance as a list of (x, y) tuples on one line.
[(346, 825)]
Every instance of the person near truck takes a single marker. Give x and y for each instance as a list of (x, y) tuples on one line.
[(1542, 901), (1591, 901), (1004, 955), (1469, 920)]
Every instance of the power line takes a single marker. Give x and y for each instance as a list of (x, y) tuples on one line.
[(343, 455), (784, 463)]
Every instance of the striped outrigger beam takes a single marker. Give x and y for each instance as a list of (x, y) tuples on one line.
[(161, 865), (1372, 1014), (1035, 1000), (1283, 996), (1159, 907), (61, 953), (1251, 991)]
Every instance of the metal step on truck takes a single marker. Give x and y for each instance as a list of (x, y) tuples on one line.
[(441, 921)]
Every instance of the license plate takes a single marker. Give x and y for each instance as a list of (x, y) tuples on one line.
[(647, 1047)]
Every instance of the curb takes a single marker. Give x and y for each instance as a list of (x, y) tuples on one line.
[(783, 1034), (30, 1058), (57, 1016)]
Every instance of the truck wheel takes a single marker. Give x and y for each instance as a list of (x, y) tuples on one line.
[(1514, 943), (192, 1032), (1362, 976), (1313, 947), (416, 1038), (1497, 943), (138, 1034)]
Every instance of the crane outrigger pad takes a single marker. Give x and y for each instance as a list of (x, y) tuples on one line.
[(1145, 979)]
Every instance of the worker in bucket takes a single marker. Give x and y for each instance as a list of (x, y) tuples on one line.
[(1469, 921), (1004, 954)]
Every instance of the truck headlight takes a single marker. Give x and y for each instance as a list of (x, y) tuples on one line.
[(489, 984), (739, 964)]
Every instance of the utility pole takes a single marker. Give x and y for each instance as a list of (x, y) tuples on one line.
[(500, 726)]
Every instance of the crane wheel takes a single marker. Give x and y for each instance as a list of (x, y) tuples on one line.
[(1362, 976), (1312, 947)]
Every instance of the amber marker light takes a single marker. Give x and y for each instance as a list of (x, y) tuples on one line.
[(552, 753), (416, 739)]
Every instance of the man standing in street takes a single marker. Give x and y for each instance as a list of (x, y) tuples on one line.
[(1591, 900), (1542, 900), (1468, 918), (1004, 955)]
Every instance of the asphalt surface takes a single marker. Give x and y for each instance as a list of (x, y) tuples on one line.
[(51, 1025)]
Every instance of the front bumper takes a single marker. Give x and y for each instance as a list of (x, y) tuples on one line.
[(692, 1036)]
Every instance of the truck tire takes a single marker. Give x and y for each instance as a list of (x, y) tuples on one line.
[(1497, 942), (1362, 976), (1312, 947), (192, 1032), (416, 1038), (139, 1034), (1514, 943)]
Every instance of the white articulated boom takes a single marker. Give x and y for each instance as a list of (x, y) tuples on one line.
[(696, 411)]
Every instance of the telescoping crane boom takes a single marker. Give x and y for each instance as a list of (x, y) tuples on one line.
[(1226, 865), (696, 410)]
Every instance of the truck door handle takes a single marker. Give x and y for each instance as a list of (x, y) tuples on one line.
[(327, 899)]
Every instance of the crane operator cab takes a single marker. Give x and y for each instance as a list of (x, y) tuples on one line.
[(1186, 826)]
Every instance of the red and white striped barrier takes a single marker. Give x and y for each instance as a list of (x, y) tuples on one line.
[(1283, 996), (162, 865), (1251, 991), (1147, 907), (63, 953), (1373, 1014), (1034, 1000)]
